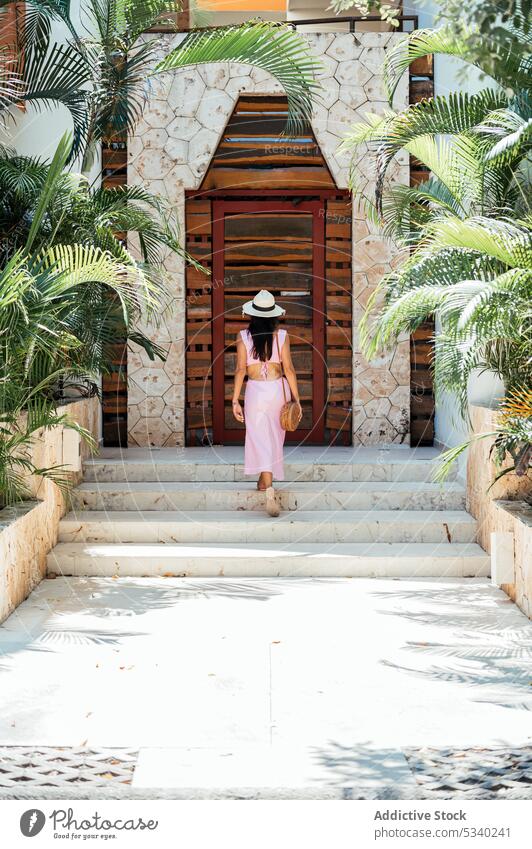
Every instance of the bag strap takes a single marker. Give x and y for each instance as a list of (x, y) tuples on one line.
[(281, 364)]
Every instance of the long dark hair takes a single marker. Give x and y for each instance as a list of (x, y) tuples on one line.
[(262, 330)]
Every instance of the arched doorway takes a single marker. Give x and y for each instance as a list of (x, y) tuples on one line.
[(269, 215)]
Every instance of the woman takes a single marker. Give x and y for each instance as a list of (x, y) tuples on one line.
[(261, 349)]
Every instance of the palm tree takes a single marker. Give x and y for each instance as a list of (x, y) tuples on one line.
[(468, 226), (79, 213), (103, 77), (57, 322)]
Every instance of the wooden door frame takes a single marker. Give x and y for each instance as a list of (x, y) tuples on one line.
[(266, 204)]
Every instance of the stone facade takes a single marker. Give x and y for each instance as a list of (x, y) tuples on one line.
[(170, 152)]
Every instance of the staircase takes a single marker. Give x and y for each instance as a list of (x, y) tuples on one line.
[(346, 512)]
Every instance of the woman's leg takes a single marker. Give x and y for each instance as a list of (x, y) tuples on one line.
[(264, 481)]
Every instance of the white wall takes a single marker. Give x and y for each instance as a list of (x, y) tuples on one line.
[(37, 132), (450, 427)]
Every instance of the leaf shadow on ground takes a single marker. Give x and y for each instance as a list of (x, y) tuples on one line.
[(490, 650)]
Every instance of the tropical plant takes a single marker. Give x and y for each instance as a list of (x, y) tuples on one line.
[(57, 322), (468, 226), (35, 70), (79, 213), (61, 286), (103, 78), (487, 30)]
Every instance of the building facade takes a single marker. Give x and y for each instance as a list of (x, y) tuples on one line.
[(259, 209)]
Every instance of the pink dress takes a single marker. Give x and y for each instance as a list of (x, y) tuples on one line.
[(263, 450)]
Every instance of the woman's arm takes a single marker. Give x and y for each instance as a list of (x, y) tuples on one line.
[(289, 370), (240, 373)]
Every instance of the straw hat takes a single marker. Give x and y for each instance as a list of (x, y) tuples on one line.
[(263, 305)]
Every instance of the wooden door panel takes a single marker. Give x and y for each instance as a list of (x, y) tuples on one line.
[(261, 250), (268, 226), (270, 246), (252, 278)]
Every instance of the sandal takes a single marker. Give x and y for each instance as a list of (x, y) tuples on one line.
[(272, 507)]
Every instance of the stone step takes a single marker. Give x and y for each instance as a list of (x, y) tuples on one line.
[(225, 464), (260, 560), (137, 471), (349, 495), (227, 526)]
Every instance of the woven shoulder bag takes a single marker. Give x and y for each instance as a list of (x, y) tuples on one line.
[(290, 411)]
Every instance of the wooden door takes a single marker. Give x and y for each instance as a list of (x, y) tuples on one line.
[(278, 246)]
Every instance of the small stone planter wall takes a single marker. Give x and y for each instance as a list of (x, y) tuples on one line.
[(502, 508), (29, 531)]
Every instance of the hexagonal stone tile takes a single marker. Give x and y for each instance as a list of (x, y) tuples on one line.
[(238, 84), (238, 70), (214, 109), (330, 66), (340, 118), (379, 250), (376, 431), (158, 115), (175, 361), (258, 75), (361, 395), (181, 175), (400, 367), (154, 381), (352, 73), (320, 41), (378, 380), (135, 395), (159, 86), (399, 417), (134, 147), (373, 59), (378, 407), (359, 417), (154, 138), (344, 47), (150, 432), (175, 439), (173, 418), (151, 406), (353, 96), (374, 89), (133, 415), (153, 164), (329, 94), (186, 93), (270, 86), (202, 147), (183, 128), (215, 75), (176, 150), (400, 397)]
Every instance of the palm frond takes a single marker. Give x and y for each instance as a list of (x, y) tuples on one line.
[(456, 114), (273, 47), (507, 65), (504, 240)]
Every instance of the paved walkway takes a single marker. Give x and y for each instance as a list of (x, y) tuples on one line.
[(310, 686)]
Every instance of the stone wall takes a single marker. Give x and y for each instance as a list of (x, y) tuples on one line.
[(501, 508), (170, 152), (29, 531)]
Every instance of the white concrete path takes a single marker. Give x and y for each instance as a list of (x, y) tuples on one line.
[(266, 682)]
